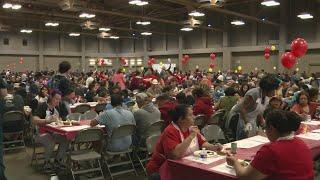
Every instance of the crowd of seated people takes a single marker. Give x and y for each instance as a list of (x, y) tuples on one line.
[(250, 102)]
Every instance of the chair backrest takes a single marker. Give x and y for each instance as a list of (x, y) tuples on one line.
[(212, 133), (82, 108), (123, 131), (216, 118), (155, 128), (74, 116), (100, 107), (13, 121), (151, 143), (90, 115), (89, 135), (199, 120)]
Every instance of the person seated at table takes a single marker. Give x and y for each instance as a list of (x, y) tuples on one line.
[(67, 101), (274, 103), (42, 95), (47, 113), (155, 89), (147, 114), (165, 104), (286, 157), (114, 118), (203, 104), (92, 95), (303, 107), (228, 101), (181, 138), (314, 95)]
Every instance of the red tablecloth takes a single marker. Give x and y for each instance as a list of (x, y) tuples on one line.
[(184, 169), (69, 134)]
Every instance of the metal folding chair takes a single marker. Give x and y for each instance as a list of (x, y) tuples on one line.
[(100, 107), (213, 133), (74, 116), (13, 124), (120, 132), (200, 120), (216, 118), (85, 161), (82, 108)]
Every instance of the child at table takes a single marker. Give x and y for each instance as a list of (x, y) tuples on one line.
[(47, 113)]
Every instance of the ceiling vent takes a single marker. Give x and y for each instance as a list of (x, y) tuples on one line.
[(89, 25), (71, 5)]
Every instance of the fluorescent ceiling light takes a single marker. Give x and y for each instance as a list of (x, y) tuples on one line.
[(209, 25), (28, 31), (16, 6), (138, 2), (53, 24), (196, 14), (87, 15), (186, 29), (270, 3), (74, 34), (305, 16), (146, 33), (237, 23), (7, 5), (114, 37), (143, 23), (104, 29)]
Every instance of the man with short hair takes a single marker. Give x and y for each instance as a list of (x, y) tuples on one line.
[(61, 80), (112, 119), (146, 115)]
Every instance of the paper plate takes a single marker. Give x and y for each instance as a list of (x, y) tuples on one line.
[(209, 153)]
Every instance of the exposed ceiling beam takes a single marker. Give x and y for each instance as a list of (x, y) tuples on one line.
[(222, 11)]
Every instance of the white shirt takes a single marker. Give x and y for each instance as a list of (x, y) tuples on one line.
[(89, 81)]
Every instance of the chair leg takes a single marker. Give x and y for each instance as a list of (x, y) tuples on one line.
[(140, 162), (101, 169), (132, 164), (109, 170)]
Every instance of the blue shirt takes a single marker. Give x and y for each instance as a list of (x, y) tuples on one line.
[(112, 119)]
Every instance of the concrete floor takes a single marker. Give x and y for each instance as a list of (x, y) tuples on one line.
[(18, 168)]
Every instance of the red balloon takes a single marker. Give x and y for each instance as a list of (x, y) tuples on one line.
[(288, 60), (149, 63), (212, 66), (184, 61), (187, 57), (299, 47), (153, 60), (267, 50), (213, 56), (267, 55)]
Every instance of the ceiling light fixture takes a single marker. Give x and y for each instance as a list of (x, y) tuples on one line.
[(209, 25), (186, 29), (146, 33), (86, 15), (270, 3), (28, 31), (74, 34), (196, 14), (237, 23), (305, 16), (53, 24), (114, 37), (138, 2), (11, 6), (143, 23), (104, 29)]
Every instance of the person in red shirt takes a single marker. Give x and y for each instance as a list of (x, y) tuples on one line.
[(286, 157), (181, 138), (165, 104), (203, 104)]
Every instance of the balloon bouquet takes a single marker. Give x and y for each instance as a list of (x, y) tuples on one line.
[(299, 48)]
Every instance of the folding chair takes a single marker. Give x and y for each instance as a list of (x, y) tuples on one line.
[(216, 118), (199, 120), (90, 115), (213, 133), (13, 124), (82, 108), (100, 107), (74, 116), (154, 130), (85, 161), (120, 132)]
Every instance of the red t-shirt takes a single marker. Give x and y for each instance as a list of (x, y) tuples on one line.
[(164, 109), (168, 141), (285, 160), (203, 105)]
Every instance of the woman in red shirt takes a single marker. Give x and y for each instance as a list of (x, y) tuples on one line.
[(181, 138), (304, 107), (203, 104), (285, 158)]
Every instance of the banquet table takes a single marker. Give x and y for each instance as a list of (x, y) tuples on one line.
[(69, 132), (185, 169)]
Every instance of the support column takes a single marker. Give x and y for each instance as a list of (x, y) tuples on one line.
[(254, 25), (283, 36), (180, 48), (41, 58), (100, 45), (204, 38), (83, 65), (145, 51), (61, 42), (164, 43), (227, 55)]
